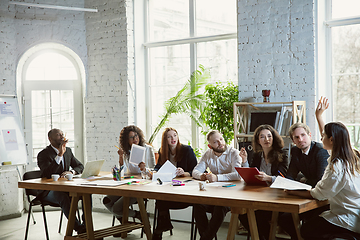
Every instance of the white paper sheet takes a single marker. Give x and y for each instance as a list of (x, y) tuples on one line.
[(137, 154), (106, 182), (164, 177), (168, 167), (284, 183)]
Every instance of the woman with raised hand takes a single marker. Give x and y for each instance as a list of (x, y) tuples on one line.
[(129, 135), (272, 161), (340, 185), (184, 159)]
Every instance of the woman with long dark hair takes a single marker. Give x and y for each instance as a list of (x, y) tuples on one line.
[(340, 184), (271, 160), (184, 159), (129, 135)]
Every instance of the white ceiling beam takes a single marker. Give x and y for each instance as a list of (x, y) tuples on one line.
[(37, 5)]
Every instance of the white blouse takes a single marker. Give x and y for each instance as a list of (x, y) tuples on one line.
[(342, 189)]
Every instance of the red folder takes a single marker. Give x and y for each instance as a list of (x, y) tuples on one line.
[(248, 174)]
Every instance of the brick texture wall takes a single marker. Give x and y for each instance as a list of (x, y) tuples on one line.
[(276, 51), (110, 63)]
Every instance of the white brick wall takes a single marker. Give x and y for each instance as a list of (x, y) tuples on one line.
[(276, 51), (109, 40), (11, 201), (21, 28)]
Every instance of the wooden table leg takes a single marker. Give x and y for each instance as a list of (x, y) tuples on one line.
[(125, 214), (72, 214), (252, 224), (273, 225), (296, 220), (234, 220), (88, 217), (144, 218), (233, 226)]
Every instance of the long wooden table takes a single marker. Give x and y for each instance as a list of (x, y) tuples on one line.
[(241, 199)]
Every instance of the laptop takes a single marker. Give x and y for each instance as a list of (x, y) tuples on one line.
[(248, 174), (92, 168)]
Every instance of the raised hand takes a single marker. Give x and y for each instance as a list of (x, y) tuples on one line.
[(62, 147), (321, 107), (323, 104), (243, 154)]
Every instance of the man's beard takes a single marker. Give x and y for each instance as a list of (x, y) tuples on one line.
[(220, 150)]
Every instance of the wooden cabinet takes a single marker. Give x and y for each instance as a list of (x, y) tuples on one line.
[(287, 113)]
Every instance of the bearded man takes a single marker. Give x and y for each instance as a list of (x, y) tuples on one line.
[(221, 161)]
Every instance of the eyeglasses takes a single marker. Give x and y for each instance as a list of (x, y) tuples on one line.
[(135, 136)]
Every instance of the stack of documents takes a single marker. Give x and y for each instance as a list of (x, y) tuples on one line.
[(284, 183)]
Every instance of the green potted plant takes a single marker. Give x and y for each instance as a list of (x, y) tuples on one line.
[(218, 112)]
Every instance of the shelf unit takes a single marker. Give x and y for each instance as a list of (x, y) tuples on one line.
[(242, 111)]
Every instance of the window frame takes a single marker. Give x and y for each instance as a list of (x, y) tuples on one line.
[(142, 63)]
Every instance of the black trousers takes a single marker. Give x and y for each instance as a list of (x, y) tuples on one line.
[(263, 219), (208, 229), (163, 221), (317, 228), (285, 220)]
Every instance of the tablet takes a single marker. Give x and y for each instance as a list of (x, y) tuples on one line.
[(248, 174)]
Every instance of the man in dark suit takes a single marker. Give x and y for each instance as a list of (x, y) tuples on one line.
[(57, 159), (308, 163)]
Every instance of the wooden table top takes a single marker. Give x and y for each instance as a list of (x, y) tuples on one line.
[(239, 196)]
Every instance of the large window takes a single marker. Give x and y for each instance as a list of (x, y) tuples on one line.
[(344, 24), (51, 80), (182, 34)]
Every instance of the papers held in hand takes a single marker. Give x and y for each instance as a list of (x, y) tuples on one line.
[(137, 154), (284, 183), (166, 173)]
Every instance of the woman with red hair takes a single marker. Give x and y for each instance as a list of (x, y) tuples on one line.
[(184, 159)]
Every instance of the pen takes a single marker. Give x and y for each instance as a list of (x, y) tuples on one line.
[(128, 177), (229, 185), (117, 147), (176, 181), (179, 184), (281, 174)]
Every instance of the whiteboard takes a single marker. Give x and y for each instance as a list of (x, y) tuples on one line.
[(12, 141)]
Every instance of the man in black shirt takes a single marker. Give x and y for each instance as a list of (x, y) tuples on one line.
[(307, 164), (308, 157)]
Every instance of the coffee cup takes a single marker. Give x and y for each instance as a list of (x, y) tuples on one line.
[(69, 176), (55, 177)]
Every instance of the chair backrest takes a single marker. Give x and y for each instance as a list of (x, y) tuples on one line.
[(31, 175)]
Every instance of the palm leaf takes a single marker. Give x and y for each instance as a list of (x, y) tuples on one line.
[(186, 100)]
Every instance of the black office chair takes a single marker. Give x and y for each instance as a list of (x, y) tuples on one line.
[(35, 201), (193, 227)]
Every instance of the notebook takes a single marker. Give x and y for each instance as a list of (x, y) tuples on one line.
[(92, 168), (248, 174)]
